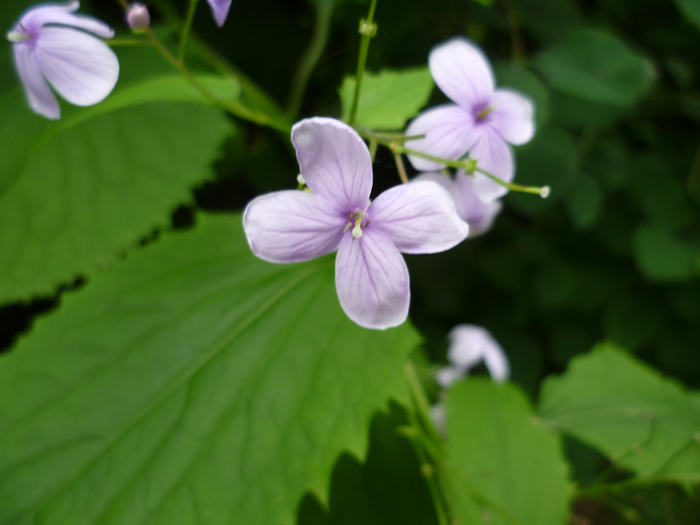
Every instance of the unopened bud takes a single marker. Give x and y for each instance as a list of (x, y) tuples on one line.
[(137, 17)]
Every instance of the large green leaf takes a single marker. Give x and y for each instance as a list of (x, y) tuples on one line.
[(192, 384), (691, 10), (504, 467), (597, 66), (388, 98), (639, 419), (73, 193)]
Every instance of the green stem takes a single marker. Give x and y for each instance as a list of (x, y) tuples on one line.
[(186, 30), (115, 42), (235, 108), (367, 29), (324, 12)]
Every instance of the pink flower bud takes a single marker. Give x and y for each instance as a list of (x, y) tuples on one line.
[(137, 17)]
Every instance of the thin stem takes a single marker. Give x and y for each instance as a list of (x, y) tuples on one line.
[(367, 29), (401, 168), (232, 107), (186, 30), (115, 42), (124, 4), (324, 12)]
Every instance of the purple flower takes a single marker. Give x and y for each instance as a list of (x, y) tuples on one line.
[(470, 344), (219, 9), (371, 276), (482, 121), (52, 44), (478, 214)]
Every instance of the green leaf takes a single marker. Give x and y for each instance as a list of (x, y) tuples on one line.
[(639, 419), (690, 9), (388, 98), (504, 467), (584, 200), (595, 65), (76, 192), (387, 489), (193, 384), (661, 256)]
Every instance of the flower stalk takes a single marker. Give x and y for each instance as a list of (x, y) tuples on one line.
[(368, 29), (186, 30)]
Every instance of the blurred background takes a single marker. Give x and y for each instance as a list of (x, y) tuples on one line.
[(614, 252)]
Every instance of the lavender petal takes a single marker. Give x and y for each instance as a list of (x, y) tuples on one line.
[(513, 116), (462, 72), (372, 282), (449, 133), (39, 95), (35, 18), (334, 161), (493, 155), (418, 218), (81, 68), (292, 226), (219, 9)]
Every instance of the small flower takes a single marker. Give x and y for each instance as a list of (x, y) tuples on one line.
[(138, 17), (371, 276), (482, 121), (470, 344), (52, 44), (219, 9), (479, 215)]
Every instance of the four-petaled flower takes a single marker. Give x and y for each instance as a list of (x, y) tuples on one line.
[(219, 9), (52, 44), (371, 276), (469, 345), (482, 121), (479, 215)]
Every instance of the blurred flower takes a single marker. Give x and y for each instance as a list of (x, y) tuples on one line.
[(138, 17), (482, 121), (52, 44), (470, 208), (219, 8), (469, 345), (371, 276)]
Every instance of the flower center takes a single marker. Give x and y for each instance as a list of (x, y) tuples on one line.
[(482, 113), (355, 223)]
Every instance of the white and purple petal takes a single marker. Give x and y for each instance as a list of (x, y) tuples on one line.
[(469, 344), (63, 15), (220, 9), (418, 218), (469, 207), (513, 115), (493, 155), (80, 67), (462, 72), (40, 97), (334, 161), (449, 133), (372, 282), (292, 226)]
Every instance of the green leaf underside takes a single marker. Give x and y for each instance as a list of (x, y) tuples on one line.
[(388, 98), (192, 384), (595, 65), (75, 192), (504, 468), (642, 421)]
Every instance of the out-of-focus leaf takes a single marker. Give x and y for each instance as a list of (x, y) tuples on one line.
[(73, 193), (548, 19), (632, 320), (691, 10), (578, 112), (192, 384), (639, 419), (387, 489), (583, 200), (503, 466), (596, 65), (661, 256), (388, 98)]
